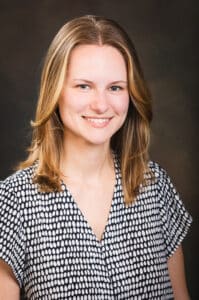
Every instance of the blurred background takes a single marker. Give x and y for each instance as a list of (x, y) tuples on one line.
[(165, 35)]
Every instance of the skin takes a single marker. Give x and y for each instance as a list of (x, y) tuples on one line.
[(177, 275), (93, 106), (9, 288)]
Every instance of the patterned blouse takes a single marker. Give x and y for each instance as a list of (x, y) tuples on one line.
[(54, 253)]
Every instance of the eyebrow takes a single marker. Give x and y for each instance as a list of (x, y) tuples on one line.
[(89, 81)]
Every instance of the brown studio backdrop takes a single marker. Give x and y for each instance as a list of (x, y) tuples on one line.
[(165, 34)]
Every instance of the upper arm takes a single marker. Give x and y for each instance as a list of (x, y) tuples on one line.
[(9, 288), (12, 233), (177, 275)]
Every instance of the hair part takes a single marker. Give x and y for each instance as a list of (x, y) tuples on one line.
[(131, 142)]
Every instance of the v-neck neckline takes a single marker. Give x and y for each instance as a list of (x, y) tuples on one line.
[(80, 213), (84, 219)]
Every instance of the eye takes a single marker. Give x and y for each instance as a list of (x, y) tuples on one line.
[(115, 88), (83, 86)]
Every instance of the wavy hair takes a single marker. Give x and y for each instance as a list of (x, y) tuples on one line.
[(130, 143)]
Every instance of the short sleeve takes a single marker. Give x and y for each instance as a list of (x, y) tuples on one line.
[(12, 238), (175, 218)]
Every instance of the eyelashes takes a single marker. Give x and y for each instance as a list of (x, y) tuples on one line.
[(87, 87), (116, 88), (83, 86)]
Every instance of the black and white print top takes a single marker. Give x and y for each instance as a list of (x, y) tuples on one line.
[(54, 253)]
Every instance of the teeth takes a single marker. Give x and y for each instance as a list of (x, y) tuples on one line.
[(99, 121)]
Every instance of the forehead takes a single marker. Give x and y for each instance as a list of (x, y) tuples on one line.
[(96, 59)]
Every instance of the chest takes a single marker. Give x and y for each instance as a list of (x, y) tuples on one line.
[(61, 244), (94, 203)]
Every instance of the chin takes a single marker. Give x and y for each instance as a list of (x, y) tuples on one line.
[(98, 142)]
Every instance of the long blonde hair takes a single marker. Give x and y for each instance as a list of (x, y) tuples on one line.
[(130, 142)]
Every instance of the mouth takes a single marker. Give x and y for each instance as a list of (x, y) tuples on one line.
[(97, 122)]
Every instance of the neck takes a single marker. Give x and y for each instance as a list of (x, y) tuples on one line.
[(85, 162)]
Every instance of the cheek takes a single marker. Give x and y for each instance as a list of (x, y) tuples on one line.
[(121, 106), (70, 104)]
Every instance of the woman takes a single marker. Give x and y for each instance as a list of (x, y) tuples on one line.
[(88, 216)]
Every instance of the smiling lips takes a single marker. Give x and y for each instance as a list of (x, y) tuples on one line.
[(98, 122)]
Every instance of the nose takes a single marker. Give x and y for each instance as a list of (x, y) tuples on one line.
[(99, 102)]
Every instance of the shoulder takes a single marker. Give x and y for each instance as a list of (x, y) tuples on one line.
[(175, 219), (18, 182), (164, 186), (157, 169), (159, 181), (159, 174), (15, 217)]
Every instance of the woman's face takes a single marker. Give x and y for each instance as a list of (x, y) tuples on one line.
[(94, 101)]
